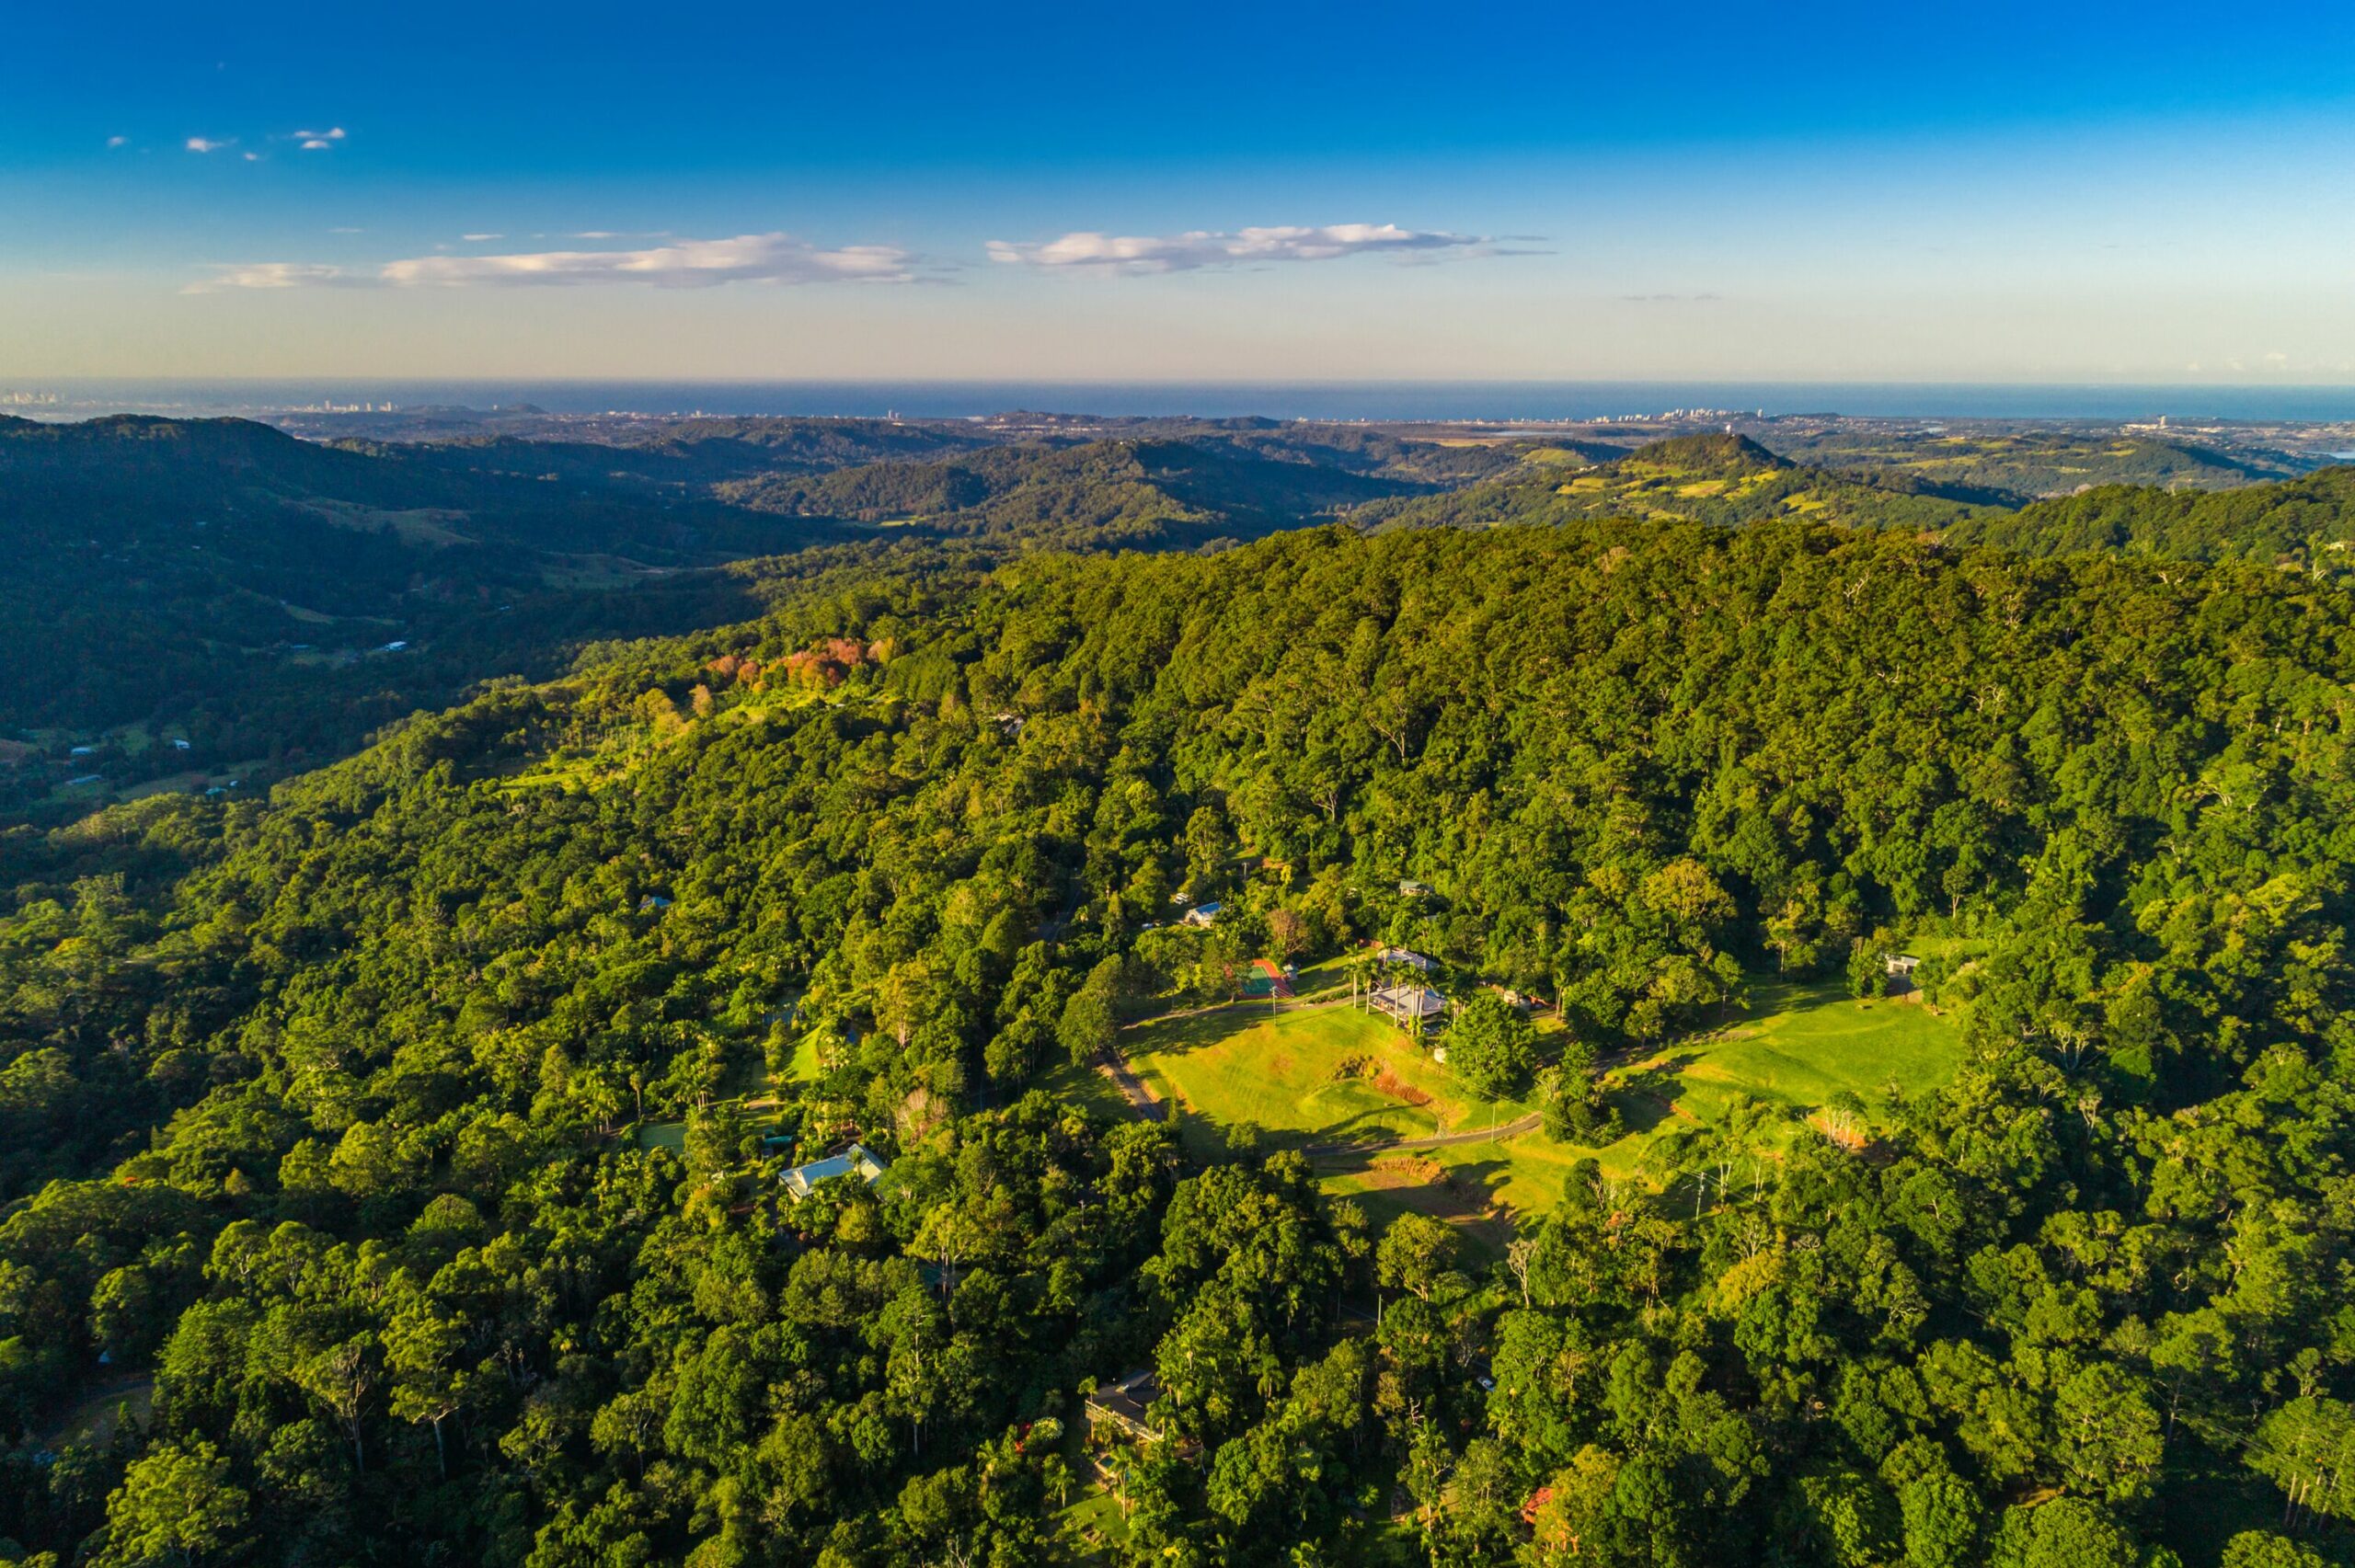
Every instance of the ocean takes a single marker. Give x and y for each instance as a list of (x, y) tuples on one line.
[(1378, 401)]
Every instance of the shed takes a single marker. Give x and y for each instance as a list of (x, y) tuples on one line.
[(855, 1160)]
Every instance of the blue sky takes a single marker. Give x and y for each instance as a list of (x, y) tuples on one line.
[(1989, 192)]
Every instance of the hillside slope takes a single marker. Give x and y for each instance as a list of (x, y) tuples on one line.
[(327, 1119)]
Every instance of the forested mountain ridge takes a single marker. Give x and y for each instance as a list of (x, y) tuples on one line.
[(266, 599), (409, 1289), (1137, 494), (269, 601), (691, 457), (215, 583)]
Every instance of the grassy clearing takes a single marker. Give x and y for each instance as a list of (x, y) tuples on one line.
[(1281, 1074), (1803, 1045), (1314, 1076), (1090, 1528), (419, 525), (805, 1067)]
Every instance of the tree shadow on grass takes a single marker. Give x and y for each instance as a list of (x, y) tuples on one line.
[(1647, 1096), (1464, 1195), (1194, 1031), (1362, 1134)]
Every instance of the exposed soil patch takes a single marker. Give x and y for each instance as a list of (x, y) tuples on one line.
[(1407, 1170), (1390, 1084)]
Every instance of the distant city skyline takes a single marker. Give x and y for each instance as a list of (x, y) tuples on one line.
[(2009, 195)]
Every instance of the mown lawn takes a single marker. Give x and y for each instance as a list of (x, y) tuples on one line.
[(1281, 1074), (1801, 1045), (1314, 1076)]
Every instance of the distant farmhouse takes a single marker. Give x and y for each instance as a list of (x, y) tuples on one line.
[(802, 1180), (1203, 914)]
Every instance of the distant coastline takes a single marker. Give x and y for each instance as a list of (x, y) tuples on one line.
[(1375, 401)]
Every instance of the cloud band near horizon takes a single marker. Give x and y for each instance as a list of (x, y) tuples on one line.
[(1202, 247), (684, 264), (781, 258)]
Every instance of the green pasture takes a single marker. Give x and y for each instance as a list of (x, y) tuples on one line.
[(1285, 1074), (1801, 1045), (1282, 1073)]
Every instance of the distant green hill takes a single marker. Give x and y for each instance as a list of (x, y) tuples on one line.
[(2012, 467), (1727, 480), (2305, 522)]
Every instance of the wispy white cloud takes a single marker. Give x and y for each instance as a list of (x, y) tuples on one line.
[(480, 239), (319, 140), (274, 275), (687, 264), (118, 141), (1178, 253), (207, 145)]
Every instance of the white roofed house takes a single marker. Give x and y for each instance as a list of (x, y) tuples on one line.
[(1403, 955), (1410, 1007)]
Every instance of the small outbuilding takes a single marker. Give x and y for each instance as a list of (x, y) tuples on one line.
[(1403, 955), (1203, 914)]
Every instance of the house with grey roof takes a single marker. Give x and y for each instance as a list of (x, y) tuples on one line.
[(802, 1180)]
